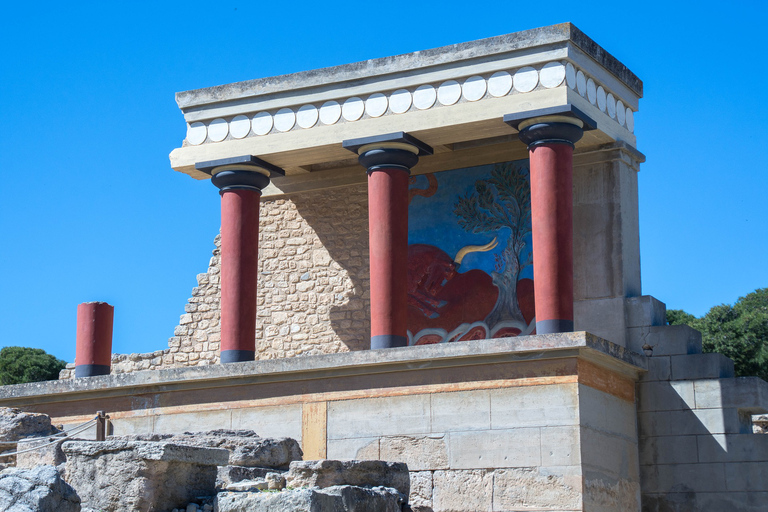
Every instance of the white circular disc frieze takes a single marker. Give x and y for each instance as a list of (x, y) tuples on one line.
[(581, 83), (500, 84), (376, 105), (261, 124), (630, 120), (218, 130), (330, 112), (449, 92), (353, 109), (424, 97), (306, 117), (621, 112), (474, 88), (552, 75), (611, 105), (526, 79), (592, 91), (601, 98), (239, 126), (196, 133), (284, 120), (570, 75), (400, 101)]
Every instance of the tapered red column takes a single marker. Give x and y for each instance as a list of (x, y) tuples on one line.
[(94, 339), (550, 141), (388, 159), (240, 186)]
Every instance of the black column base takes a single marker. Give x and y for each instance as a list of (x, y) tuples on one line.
[(237, 356), (553, 326), (91, 370), (388, 341)]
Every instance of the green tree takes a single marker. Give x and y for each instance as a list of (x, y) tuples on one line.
[(21, 364), (739, 332)]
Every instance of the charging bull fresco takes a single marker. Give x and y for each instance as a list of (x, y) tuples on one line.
[(470, 272)]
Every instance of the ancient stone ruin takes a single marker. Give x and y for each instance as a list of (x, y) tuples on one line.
[(221, 470)]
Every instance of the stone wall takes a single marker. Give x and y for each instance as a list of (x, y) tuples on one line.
[(313, 270)]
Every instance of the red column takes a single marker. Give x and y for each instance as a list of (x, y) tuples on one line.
[(239, 273), (388, 241), (389, 159), (94, 339), (550, 140), (552, 225)]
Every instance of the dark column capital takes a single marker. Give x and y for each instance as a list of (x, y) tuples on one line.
[(557, 125), (397, 150), (240, 173)]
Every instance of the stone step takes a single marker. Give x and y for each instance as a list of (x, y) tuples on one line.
[(747, 394), (701, 366), (666, 340)]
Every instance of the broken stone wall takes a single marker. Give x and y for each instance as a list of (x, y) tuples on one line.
[(313, 277)]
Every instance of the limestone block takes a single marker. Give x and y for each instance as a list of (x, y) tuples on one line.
[(560, 446), (359, 448), (666, 340), (666, 396), (607, 413), (659, 368), (418, 452), (668, 450), (364, 473), (464, 410), (368, 417), (421, 491), (246, 447), (610, 455), (602, 317), (746, 476), (701, 366), (686, 423), (747, 393), (345, 498), (533, 406), (462, 491), (664, 478), (607, 494), (733, 448), (39, 489), (645, 311), (227, 475), (16, 424), (42, 452), (526, 488), (122, 476), (495, 448)]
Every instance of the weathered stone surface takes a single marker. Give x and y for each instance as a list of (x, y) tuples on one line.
[(419, 452), (518, 488), (16, 424), (246, 447), (344, 498), (232, 474), (421, 491), (136, 476), (36, 490), (363, 473), (462, 490), (41, 451)]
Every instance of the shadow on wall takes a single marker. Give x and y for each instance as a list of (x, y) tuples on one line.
[(339, 218)]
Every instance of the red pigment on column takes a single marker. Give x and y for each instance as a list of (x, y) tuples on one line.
[(94, 335), (239, 266), (388, 228), (552, 226)]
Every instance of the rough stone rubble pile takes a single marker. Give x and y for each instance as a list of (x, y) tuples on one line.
[(219, 470)]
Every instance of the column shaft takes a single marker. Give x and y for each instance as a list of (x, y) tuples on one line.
[(239, 271), (388, 226), (94, 339), (552, 225)]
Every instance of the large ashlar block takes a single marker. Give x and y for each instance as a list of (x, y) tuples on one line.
[(701, 366), (531, 489), (534, 406), (344, 498), (462, 491), (495, 448), (464, 410), (379, 416), (129, 476), (419, 453)]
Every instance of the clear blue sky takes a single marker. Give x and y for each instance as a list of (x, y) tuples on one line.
[(91, 210)]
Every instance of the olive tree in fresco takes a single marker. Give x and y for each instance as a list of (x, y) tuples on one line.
[(503, 201)]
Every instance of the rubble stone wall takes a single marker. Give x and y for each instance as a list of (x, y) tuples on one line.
[(313, 270)]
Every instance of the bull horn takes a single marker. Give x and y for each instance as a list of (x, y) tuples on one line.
[(474, 248)]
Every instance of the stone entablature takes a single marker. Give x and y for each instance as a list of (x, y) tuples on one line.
[(298, 122)]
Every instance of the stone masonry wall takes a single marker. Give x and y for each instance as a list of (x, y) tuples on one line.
[(313, 286)]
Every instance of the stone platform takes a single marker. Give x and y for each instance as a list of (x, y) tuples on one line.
[(539, 422)]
